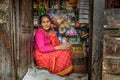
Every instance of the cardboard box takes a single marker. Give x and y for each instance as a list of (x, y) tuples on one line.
[(77, 49)]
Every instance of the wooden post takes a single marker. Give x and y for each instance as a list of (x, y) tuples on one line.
[(96, 38)]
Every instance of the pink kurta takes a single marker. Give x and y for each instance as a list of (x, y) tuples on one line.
[(42, 41)]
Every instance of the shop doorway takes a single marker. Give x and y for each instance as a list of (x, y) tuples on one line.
[(72, 23)]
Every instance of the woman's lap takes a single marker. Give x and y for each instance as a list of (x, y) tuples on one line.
[(54, 61)]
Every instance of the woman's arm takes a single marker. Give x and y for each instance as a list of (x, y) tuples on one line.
[(40, 42)]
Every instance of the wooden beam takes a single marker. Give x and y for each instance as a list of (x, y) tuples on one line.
[(96, 38)]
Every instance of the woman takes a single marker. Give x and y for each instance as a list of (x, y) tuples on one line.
[(49, 52)]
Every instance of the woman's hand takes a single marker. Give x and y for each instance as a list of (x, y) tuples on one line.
[(64, 46)]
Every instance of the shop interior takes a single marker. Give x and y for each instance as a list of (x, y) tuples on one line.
[(69, 27)]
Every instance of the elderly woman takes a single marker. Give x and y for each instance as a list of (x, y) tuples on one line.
[(49, 52)]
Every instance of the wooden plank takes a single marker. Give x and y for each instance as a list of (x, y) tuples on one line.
[(110, 77), (25, 39)]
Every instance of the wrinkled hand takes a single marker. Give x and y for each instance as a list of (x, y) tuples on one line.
[(64, 46)]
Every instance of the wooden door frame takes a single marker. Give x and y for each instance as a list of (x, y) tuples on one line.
[(17, 28), (96, 38)]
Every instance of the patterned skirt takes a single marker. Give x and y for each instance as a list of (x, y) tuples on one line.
[(57, 62)]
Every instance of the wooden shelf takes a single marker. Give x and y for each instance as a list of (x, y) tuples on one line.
[(112, 28), (112, 57)]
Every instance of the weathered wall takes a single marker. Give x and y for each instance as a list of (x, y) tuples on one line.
[(15, 38), (5, 45)]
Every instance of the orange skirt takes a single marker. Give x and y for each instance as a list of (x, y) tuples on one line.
[(57, 62)]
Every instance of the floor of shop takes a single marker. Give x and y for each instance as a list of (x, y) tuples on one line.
[(77, 76), (41, 74)]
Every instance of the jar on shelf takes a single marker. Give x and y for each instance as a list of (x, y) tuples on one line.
[(35, 21)]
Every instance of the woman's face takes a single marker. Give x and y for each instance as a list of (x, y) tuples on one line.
[(45, 23)]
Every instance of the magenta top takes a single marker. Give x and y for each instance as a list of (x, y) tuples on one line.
[(42, 41)]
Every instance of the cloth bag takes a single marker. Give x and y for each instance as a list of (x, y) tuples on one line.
[(36, 74)]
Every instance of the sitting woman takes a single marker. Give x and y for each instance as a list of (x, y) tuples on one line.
[(49, 52)]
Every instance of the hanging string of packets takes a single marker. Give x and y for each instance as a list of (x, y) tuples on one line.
[(42, 9)]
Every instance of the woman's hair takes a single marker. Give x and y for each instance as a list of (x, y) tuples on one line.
[(42, 16)]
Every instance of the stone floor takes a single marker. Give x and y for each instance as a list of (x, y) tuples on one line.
[(77, 76), (42, 74)]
